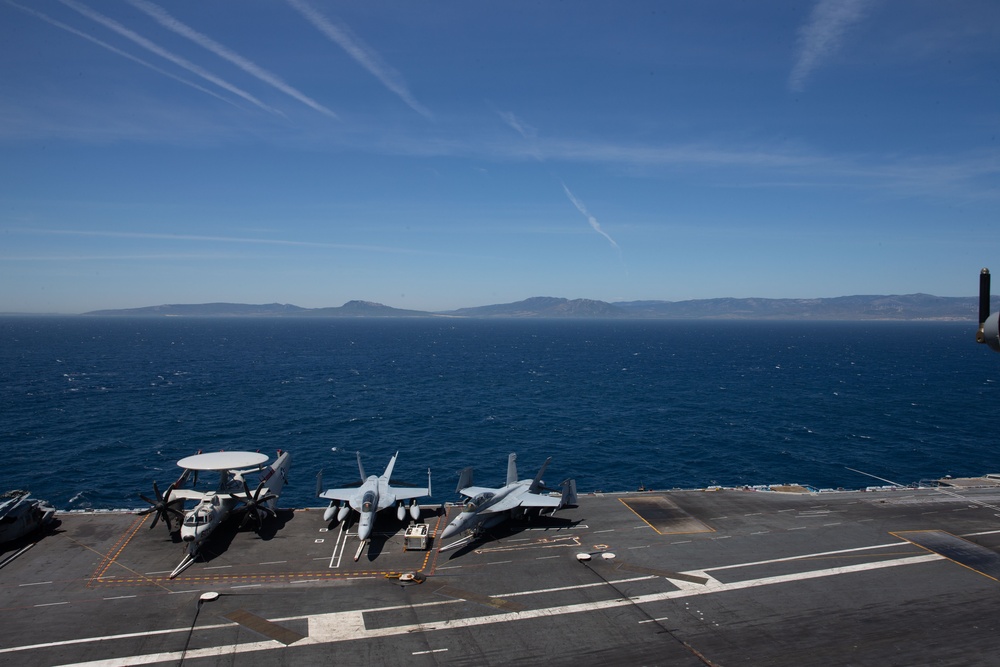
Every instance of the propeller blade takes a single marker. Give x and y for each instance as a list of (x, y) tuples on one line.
[(255, 504), (161, 507)]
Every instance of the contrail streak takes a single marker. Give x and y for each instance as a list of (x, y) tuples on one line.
[(117, 51), (362, 53), (591, 219), (161, 16), (529, 133), (111, 24)]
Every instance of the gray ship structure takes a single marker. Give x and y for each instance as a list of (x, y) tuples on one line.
[(885, 576), (776, 575)]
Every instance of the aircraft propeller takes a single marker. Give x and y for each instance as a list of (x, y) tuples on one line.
[(255, 503), (162, 507)]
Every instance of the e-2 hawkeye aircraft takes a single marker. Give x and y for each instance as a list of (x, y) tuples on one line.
[(374, 494), (489, 507), (232, 492)]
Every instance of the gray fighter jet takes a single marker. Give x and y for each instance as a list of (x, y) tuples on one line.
[(20, 514), (374, 494), (489, 507)]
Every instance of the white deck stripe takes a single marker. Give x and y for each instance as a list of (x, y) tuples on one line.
[(350, 625)]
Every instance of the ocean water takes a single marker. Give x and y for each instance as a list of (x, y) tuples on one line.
[(96, 409)]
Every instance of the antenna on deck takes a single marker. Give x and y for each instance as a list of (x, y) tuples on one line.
[(989, 325), (984, 303)]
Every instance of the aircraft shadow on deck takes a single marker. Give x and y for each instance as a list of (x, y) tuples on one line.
[(387, 527), (512, 528), (393, 527), (34, 536), (273, 525), (222, 537)]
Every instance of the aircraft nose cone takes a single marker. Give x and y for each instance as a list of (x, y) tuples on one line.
[(449, 530)]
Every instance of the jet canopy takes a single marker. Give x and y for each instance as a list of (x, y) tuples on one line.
[(478, 502), (368, 502)]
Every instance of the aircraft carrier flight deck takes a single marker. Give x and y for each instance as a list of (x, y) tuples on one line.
[(701, 577)]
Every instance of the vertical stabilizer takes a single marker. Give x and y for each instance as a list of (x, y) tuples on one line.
[(275, 476), (536, 484), (387, 475), (464, 480), (512, 468), (568, 493), (361, 468)]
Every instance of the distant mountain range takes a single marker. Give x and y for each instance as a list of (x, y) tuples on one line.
[(904, 307), (349, 309)]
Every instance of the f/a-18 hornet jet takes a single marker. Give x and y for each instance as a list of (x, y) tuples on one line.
[(374, 494), (195, 525), (489, 507)]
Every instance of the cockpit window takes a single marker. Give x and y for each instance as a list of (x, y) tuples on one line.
[(368, 502), (478, 502), (196, 519)]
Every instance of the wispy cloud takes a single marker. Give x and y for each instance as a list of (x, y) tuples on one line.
[(527, 132), (154, 236), (519, 126), (170, 23), (970, 174), (147, 44), (365, 56), (112, 49), (823, 35), (675, 154), (115, 258), (591, 219)]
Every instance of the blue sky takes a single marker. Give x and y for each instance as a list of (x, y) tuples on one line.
[(449, 154)]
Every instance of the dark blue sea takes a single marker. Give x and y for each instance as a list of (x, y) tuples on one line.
[(95, 409)]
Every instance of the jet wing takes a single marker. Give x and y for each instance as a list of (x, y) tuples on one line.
[(407, 492), (347, 494), (189, 494), (514, 501)]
